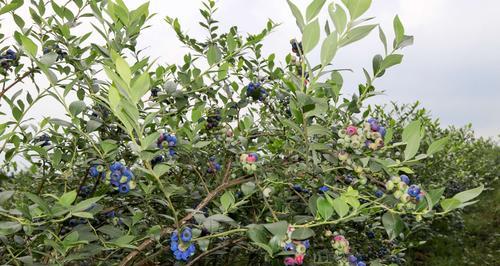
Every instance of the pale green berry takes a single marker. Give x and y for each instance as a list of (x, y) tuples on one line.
[(389, 185), (398, 194)]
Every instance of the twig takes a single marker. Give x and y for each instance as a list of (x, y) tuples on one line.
[(19, 79), (208, 252)]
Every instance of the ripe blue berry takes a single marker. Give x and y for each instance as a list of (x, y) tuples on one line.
[(379, 193), (405, 179), (413, 190)]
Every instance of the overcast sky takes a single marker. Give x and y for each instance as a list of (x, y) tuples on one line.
[(453, 68)]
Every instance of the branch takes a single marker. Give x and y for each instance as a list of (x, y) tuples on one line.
[(165, 231), (19, 79), (208, 252)]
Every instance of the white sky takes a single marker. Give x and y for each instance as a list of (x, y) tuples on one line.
[(453, 68)]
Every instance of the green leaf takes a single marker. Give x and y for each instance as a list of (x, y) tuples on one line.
[(328, 49), (393, 224), (377, 60), (357, 7), (324, 208), (201, 144), (382, 38), (85, 204), (437, 145), (257, 233), (390, 60), (450, 204), (110, 230), (227, 200), (338, 16), (149, 140), (248, 188), (313, 9), (341, 207), (161, 169), (87, 215), (317, 130), (213, 55), (68, 198), (468, 195), (302, 233), (221, 218), (399, 31), (412, 137), (77, 107), (8, 228), (13, 5), (299, 19), (356, 34), (108, 145), (123, 241), (39, 201), (5, 195), (310, 38), (278, 228), (433, 196), (29, 46), (140, 87), (123, 69), (49, 59)]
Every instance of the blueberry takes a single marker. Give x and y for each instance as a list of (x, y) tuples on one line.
[(413, 190), (405, 179), (379, 193), (297, 188), (352, 259), (116, 166)]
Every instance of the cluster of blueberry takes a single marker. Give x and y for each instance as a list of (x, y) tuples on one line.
[(354, 261), (97, 170), (120, 178), (345, 158), (341, 247), (156, 160), (375, 139), (8, 59), (43, 140), (213, 165), (248, 161), (409, 195), (299, 248), (61, 54), (297, 47), (371, 136), (182, 247), (256, 91), (213, 120), (167, 141), (155, 91), (299, 189)]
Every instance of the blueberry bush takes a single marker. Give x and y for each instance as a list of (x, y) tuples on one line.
[(230, 158)]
